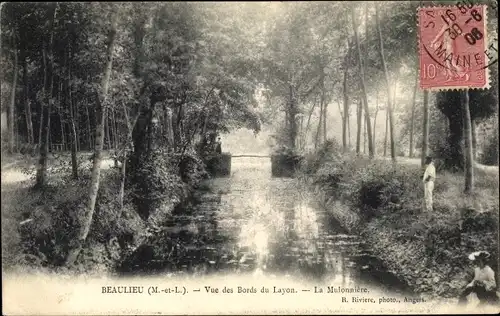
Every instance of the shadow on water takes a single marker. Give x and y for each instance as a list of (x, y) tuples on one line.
[(189, 242), (251, 222)]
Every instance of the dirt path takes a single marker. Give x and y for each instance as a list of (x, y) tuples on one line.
[(416, 162), (12, 172)]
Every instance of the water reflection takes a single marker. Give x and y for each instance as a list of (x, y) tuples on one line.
[(264, 226)]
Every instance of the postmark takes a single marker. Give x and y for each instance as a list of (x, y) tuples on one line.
[(453, 47)]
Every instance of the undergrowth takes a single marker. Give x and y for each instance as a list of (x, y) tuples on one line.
[(429, 249), (40, 224)]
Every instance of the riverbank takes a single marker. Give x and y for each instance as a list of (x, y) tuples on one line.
[(38, 225), (382, 203)]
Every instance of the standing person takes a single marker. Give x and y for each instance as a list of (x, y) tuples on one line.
[(218, 148), (484, 284), (428, 179)]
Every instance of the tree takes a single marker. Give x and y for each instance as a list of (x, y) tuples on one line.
[(412, 119), (363, 85), (26, 101), (386, 76), (425, 133), (359, 122), (12, 104), (47, 102), (74, 135), (377, 108), (386, 132), (345, 95), (482, 105), (102, 102), (469, 158)]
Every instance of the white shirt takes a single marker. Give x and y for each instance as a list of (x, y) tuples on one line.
[(430, 171), (485, 275)]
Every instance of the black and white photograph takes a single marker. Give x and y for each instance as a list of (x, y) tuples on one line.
[(277, 157)]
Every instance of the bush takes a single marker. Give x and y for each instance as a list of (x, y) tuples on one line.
[(375, 186), (49, 227), (329, 152), (218, 165), (107, 209), (191, 169), (490, 154), (285, 165), (421, 246), (51, 221), (155, 182)]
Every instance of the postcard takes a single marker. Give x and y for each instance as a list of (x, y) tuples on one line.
[(302, 157)]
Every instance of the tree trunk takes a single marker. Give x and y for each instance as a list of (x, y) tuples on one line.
[(309, 120), (78, 134), (474, 139), (40, 120), (301, 132), (340, 111), (413, 107), (359, 113), (178, 126), (364, 138), (363, 86), (349, 128), (115, 130), (454, 160), (497, 131), (107, 143), (61, 119), (386, 73), (17, 132), (27, 106), (74, 161), (468, 157), (86, 217), (12, 107), (346, 109), (293, 123), (386, 131), (318, 130), (41, 175), (365, 61), (325, 113), (89, 131), (42, 103), (425, 133), (149, 131), (123, 176), (375, 125), (170, 129), (127, 148)]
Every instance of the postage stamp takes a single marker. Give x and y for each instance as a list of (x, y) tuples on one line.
[(453, 47)]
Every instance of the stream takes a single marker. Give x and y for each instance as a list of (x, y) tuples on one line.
[(251, 223)]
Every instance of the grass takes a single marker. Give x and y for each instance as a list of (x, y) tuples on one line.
[(52, 210), (53, 213), (430, 248), (427, 249)]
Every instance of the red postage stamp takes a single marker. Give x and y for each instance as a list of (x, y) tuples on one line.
[(452, 47)]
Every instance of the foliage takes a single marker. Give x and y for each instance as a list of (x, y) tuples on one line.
[(328, 152), (155, 182), (490, 154), (192, 169), (428, 250), (50, 226), (482, 104)]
